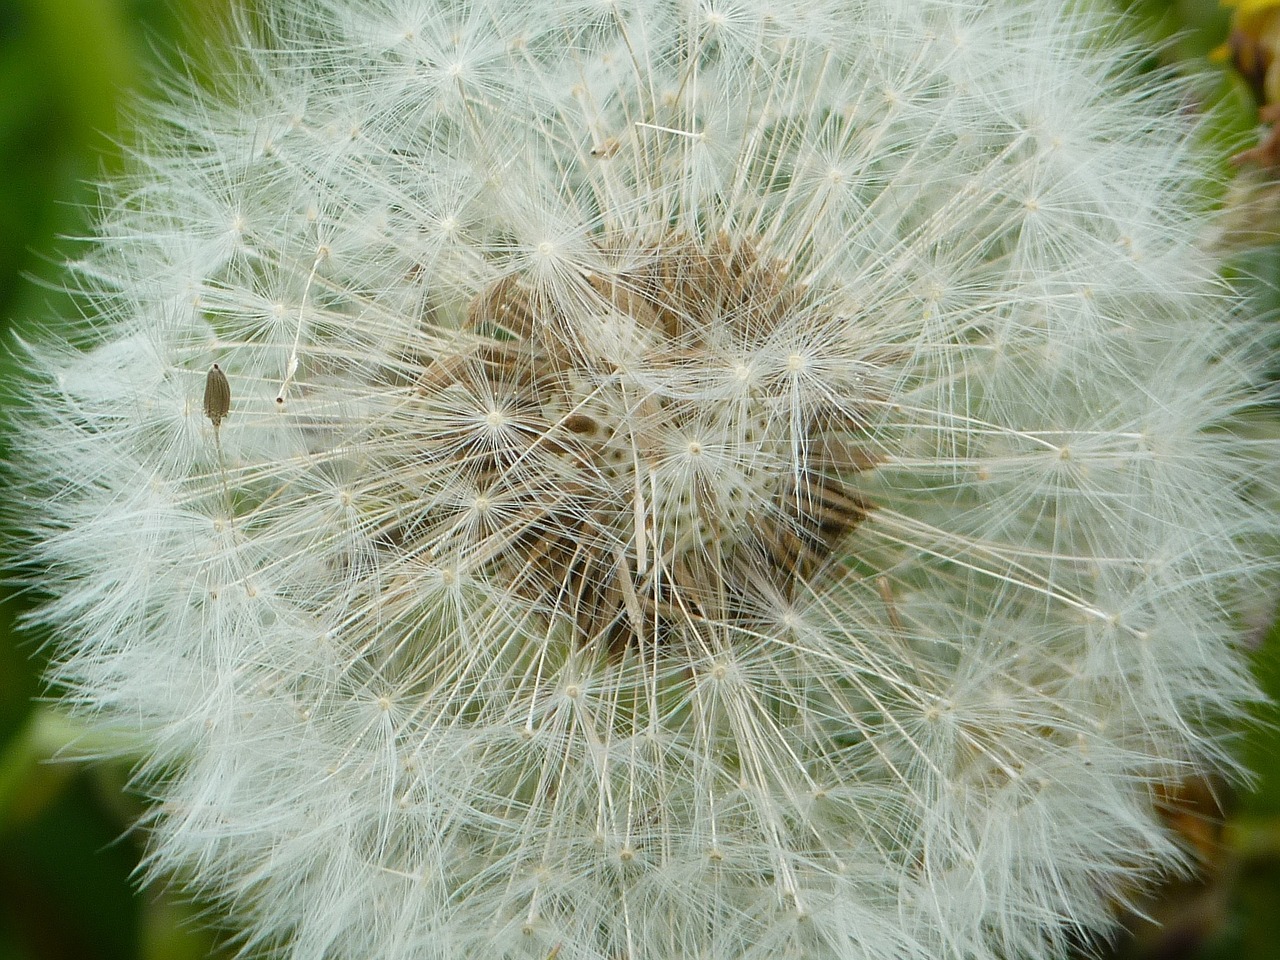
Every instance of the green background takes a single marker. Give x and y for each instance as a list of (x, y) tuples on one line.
[(67, 850)]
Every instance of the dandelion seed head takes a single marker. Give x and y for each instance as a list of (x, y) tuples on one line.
[(723, 480)]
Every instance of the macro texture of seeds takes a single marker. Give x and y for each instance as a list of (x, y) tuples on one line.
[(627, 448), (717, 479)]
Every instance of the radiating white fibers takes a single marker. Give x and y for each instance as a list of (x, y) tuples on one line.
[(700, 479)]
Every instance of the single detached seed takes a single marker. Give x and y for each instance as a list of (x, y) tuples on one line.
[(217, 396), (217, 404)]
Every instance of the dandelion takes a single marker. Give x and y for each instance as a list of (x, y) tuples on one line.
[(681, 479)]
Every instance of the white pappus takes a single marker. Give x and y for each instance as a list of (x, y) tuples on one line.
[(682, 478)]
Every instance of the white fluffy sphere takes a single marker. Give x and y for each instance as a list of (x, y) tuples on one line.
[(682, 478)]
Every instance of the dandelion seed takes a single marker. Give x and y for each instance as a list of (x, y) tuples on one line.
[(217, 397), (217, 404), (607, 148), (670, 556)]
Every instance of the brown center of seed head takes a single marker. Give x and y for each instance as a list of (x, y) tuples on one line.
[(633, 452)]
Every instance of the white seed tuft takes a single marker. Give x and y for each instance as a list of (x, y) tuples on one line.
[(758, 479)]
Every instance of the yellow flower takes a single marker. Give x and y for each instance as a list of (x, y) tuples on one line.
[(1252, 44)]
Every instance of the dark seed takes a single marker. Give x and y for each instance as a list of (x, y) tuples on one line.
[(217, 396)]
